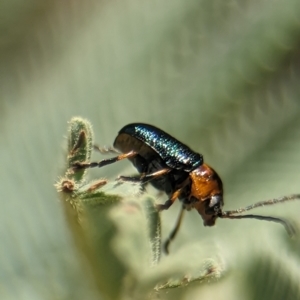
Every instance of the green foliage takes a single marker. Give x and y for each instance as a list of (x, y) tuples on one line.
[(117, 230), (221, 76)]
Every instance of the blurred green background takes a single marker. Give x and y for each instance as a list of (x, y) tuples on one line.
[(221, 76)]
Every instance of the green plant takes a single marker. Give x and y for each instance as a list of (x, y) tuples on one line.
[(117, 231)]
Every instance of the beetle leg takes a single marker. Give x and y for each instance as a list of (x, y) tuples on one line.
[(104, 162), (105, 149), (170, 201), (174, 231), (145, 177)]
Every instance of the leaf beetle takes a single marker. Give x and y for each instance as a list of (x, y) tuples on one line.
[(172, 167)]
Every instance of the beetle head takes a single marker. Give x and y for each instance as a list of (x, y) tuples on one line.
[(207, 193)]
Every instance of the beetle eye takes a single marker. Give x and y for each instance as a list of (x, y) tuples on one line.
[(214, 205)]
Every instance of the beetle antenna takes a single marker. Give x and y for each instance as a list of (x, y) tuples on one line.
[(262, 203), (288, 227), (231, 214)]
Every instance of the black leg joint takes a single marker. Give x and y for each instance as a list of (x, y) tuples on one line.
[(164, 206)]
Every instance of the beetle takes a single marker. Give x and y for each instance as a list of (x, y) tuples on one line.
[(172, 167)]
